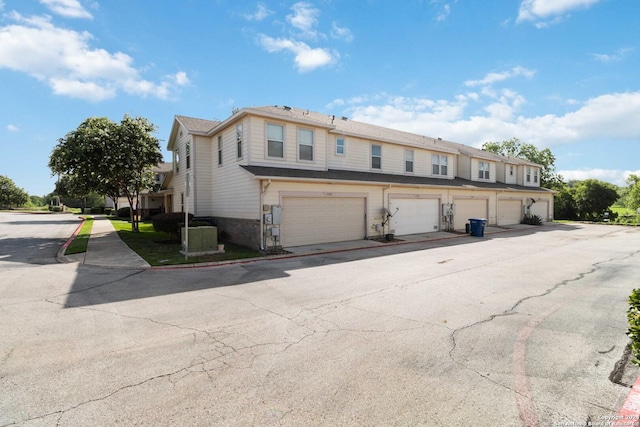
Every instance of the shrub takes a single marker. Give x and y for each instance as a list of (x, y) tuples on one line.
[(531, 220), (633, 315), (108, 211), (170, 223), (124, 212)]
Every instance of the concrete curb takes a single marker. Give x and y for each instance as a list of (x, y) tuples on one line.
[(630, 412), (60, 256), (320, 252)]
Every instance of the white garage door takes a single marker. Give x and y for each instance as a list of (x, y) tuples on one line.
[(541, 209), (469, 208), (311, 220), (415, 215), (509, 212)]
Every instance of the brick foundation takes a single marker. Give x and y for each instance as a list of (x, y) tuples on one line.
[(245, 232)]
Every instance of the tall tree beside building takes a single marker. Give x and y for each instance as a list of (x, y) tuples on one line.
[(516, 148), (110, 158)]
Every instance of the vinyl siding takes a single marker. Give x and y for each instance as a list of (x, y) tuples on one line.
[(358, 157), (201, 176), (474, 170), (234, 192), (258, 147)]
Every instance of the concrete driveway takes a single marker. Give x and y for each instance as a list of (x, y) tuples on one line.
[(522, 328)]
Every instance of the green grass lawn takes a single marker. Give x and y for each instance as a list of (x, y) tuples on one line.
[(80, 242), (622, 211), (157, 249)]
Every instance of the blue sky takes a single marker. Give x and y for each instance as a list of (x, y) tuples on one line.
[(561, 74)]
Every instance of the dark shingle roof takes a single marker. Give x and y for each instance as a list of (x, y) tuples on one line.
[(381, 178)]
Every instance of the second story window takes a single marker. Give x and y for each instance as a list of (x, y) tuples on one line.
[(376, 157), (176, 157), (305, 145), (511, 170), (188, 155), (219, 150), (439, 164), (483, 170), (408, 160), (340, 146), (535, 176), (239, 141), (275, 141), (528, 174)]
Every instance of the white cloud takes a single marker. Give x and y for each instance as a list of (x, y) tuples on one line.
[(67, 8), (492, 78), (259, 14), (552, 11), (65, 60), (341, 33), (618, 55), (13, 128), (306, 57), (607, 117), (181, 78), (1, 5), (304, 18), (614, 176)]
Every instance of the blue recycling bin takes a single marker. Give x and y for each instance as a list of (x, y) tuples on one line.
[(476, 226)]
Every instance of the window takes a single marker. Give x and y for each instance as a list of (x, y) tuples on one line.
[(181, 202), (408, 160), (511, 170), (376, 157), (219, 150), (340, 146), (176, 157), (188, 155), (535, 176), (528, 174), (275, 141), (239, 141), (483, 170), (439, 164), (305, 145)]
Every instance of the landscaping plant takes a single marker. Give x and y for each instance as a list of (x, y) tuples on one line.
[(633, 315)]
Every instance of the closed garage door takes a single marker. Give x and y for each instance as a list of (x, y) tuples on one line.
[(509, 212), (541, 208), (311, 220), (415, 215), (468, 208)]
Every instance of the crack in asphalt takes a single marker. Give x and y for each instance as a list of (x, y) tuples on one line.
[(614, 376)]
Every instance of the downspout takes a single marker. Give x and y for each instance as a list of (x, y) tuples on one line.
[(388, 208), (263, 237)]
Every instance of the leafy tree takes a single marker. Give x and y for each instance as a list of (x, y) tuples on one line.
[(11, 194), (109, 158), (514, 147), (633, 192), (593, 197), (73, 191), (37, 200), (564, 203)]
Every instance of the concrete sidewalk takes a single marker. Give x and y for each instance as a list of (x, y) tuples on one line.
[(106, 249)]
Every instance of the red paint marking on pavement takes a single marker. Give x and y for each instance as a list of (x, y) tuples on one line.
[(524, 393), (631, 408), (73, 236)]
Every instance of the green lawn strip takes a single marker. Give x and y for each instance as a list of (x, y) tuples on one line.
[(158, 249), (80, 242)]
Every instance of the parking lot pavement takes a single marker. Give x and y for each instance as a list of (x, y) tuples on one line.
[(519, 328)]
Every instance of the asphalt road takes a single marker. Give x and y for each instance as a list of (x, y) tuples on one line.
[(519, 329)]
